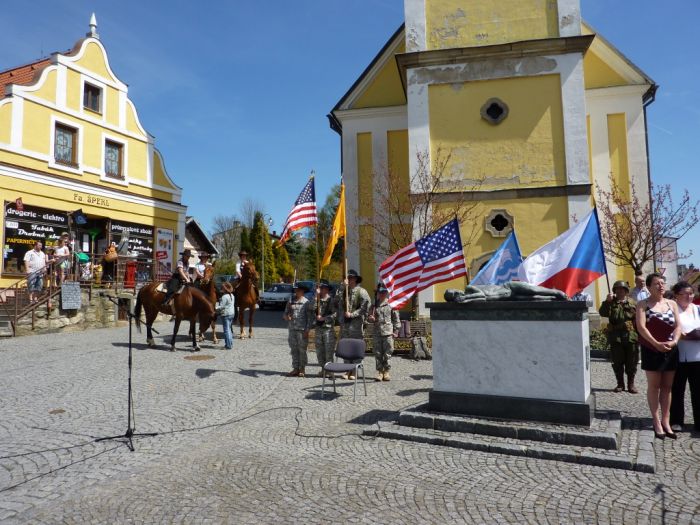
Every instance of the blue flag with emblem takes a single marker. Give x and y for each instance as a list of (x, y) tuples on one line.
[(504, 264)]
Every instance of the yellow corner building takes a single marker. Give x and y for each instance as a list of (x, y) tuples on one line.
[(71, 140), (534, 109)]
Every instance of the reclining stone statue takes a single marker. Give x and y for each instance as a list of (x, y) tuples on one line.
[(510, 291)]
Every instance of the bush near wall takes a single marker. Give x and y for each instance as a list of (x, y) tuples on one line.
[(599, 340)]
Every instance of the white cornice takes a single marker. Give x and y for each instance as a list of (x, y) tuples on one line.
[(362, 113), (69, 61), (52, 181), (618, 91)]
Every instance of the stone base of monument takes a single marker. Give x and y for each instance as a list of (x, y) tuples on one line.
[(605, 443), (521, 360)]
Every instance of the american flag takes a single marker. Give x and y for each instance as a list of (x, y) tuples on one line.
[(303, 213), (436, 258)]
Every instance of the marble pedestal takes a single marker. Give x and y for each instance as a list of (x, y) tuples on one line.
[(512, 360)]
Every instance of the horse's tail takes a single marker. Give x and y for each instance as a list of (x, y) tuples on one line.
[(137, 310)]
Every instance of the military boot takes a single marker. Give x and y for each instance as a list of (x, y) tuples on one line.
[(302, 372), (293, 373), (620, 376), (630, 384)]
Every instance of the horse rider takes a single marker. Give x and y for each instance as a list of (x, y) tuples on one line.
[(179, 276), (201, 267), (243, 256)]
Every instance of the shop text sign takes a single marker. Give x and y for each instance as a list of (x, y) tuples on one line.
[(86, 198)]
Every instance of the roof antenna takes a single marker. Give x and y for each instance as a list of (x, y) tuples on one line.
[(93, 27)]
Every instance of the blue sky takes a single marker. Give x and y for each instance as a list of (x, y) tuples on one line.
[(236, 92)]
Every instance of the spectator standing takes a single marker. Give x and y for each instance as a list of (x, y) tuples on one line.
[(62, 260), (659, 332), (35, 262), (386, 327), (640, 291), (622, 336), (225, 309), (325, 326), (688, 358), (109, 263), (299, 313)]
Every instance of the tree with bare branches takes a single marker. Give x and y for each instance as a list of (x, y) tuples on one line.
[(226, 236), (409, 208), (249, 208), (635, 228)]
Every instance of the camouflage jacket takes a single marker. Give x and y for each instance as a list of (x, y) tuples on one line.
[(386, 319), (301, 312), (621, 317), (359, 302), (327, 310)]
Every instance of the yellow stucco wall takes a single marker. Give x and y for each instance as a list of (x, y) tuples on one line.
[(36, 128), (74, 96), (386, 88), (131, 121), (5, 123), (367, 266), (112, 106), (93, 60), (365, 176), (397, 152), (617, 146), (526, 149), (598, 74), (465, 23), (48, 89)]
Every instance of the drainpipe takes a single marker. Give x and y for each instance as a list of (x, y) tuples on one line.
[(647, 99)]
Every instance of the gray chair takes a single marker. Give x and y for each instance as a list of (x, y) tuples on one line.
[(352, 350)]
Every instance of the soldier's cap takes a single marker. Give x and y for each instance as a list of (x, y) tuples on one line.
[(621, 284), (354, 274), (382, 289), (300, 286), (324, 284)]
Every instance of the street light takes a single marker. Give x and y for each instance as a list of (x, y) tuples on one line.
[(262, 248)]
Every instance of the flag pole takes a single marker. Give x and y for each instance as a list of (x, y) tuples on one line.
[(602, 251), (318, 261)]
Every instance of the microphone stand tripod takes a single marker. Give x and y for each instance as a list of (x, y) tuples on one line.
[(129, 434)]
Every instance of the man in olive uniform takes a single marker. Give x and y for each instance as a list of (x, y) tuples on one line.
[(353, 311), (386, 327), (325, 323), (622, 335), (300, 315)]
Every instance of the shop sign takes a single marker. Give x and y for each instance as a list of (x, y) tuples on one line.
[(140, 237), (94, 200), (23, 227), (164, 252)]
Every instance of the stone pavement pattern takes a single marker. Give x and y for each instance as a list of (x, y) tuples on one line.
[(241, 443)]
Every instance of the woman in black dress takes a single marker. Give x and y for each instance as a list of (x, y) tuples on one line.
[(659, 332)]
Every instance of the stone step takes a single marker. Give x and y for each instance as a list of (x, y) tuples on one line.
[(640, 460), (6, 328), (604, 432)]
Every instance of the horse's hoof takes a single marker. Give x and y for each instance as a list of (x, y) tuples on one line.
[(172, 348), (151, 343), (196, 349)]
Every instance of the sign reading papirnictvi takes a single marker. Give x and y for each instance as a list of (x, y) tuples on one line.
[(23, 227)]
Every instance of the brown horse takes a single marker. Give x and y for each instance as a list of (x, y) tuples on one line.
[(246, 297), (191, 304), (208, 286)]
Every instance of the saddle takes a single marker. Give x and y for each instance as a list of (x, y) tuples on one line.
[(162, 288)]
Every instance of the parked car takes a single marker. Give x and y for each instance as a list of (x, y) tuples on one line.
[(276, 295), (221, 279)]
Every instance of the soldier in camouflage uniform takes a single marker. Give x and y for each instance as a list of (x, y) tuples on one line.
[(325, 326), (299, 312), (386, 327), (622, 335), (353, 317)]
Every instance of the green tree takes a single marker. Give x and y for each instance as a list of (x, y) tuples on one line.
[(260, 241), (310, 265), (245, 240), (283, 264)]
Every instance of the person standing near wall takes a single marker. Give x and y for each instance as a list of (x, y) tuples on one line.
[(35, 267)]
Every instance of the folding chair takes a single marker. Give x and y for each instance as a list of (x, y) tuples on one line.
[(352, 350)]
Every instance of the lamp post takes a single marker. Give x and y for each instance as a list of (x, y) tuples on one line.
[(262, 247)]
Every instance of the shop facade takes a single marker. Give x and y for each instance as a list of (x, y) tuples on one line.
[(75, 159)]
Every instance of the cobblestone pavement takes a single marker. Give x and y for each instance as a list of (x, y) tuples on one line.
[(240, 443)]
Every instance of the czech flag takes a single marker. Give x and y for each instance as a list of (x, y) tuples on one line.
[(570, 262)]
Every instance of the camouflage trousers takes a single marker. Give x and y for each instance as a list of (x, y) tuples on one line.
[(383, 348), (298, 345), (352, 330), (624, 356), (325, 344)]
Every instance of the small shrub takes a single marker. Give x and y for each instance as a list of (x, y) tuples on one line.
[(599, 340)]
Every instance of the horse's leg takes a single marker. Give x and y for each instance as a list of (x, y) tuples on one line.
[(251, 315), (193, 334), (241, 321), (175, 329), (151, 315), (213, 332)]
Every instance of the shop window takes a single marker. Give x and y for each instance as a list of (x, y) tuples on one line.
[(92, 98), (113, 159), (65, 145)]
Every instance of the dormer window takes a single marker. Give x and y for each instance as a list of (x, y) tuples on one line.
[(92, 98)]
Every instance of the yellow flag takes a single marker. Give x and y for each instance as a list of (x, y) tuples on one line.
[(338, 229)]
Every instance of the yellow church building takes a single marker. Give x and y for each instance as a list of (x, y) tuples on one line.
[(74, 157), (533, 109)]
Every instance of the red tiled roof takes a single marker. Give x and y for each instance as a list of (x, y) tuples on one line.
[(22, 74)]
